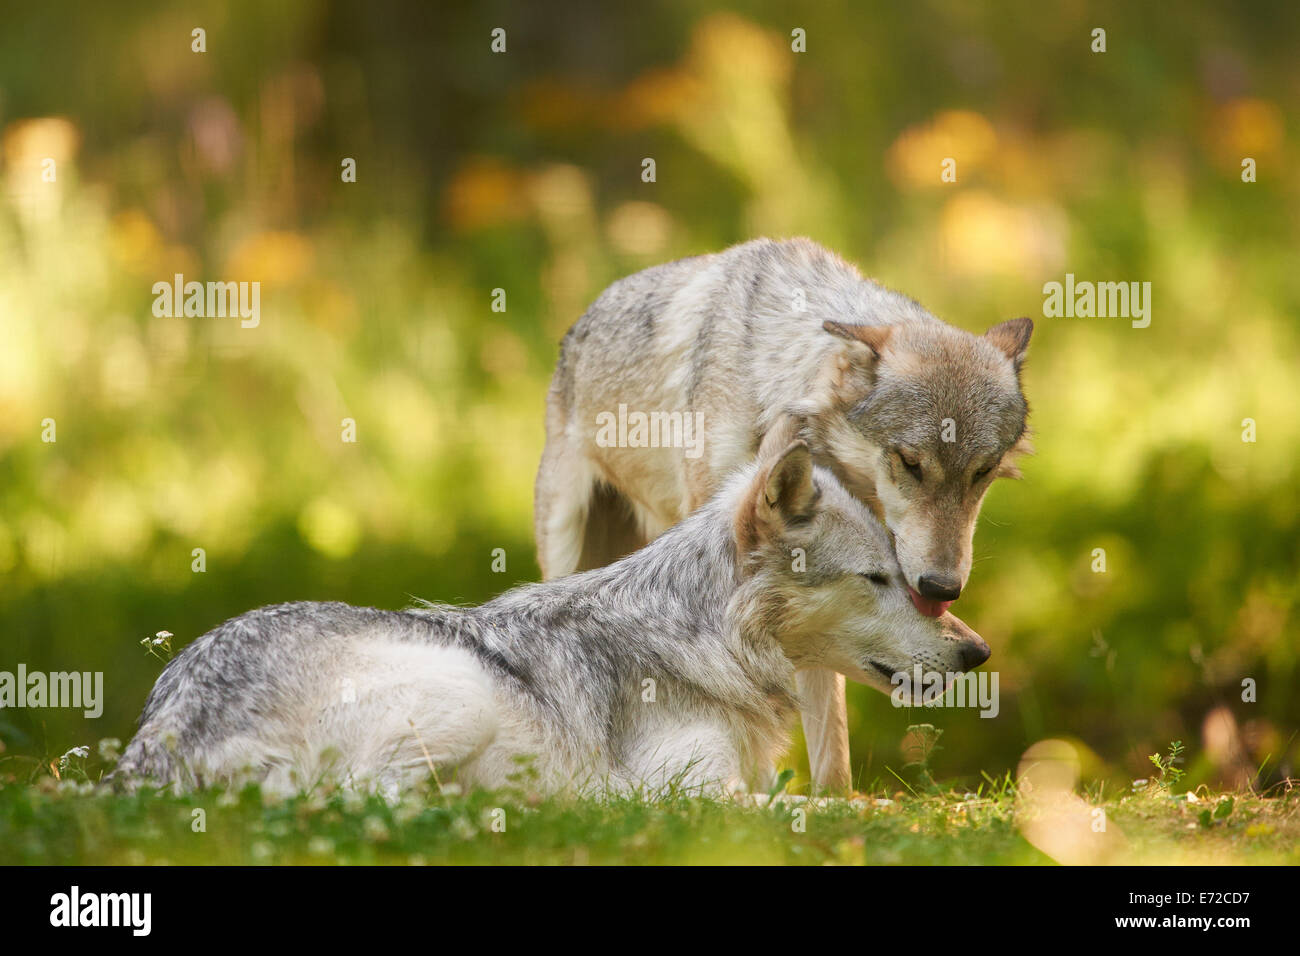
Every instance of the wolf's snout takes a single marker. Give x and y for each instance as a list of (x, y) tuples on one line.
[(974, 652), (939, 587)]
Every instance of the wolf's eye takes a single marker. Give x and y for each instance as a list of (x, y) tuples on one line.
[(875, 577), (912, 464), (981, 474)]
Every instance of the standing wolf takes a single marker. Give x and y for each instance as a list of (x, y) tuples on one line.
[(915, 417), (671, 667)]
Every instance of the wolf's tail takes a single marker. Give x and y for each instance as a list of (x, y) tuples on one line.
[(581, 521), (150, 758), (155, 754)]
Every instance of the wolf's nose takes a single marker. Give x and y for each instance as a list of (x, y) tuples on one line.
[(974, 653), (939, 587)]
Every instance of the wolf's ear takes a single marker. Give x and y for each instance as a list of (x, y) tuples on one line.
[(788, 492), (1012, 338), (873, 337), (851, 371), (782, 491)]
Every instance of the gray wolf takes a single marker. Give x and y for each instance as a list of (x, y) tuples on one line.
[(672, 667), (916, 418)]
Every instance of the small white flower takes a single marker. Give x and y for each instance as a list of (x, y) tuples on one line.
[(320, 846), (80, 753), (110, 749)]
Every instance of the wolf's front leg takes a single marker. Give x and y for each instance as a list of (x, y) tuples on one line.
[(824, 710)]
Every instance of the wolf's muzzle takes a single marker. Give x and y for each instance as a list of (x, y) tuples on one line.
[(974, 653)]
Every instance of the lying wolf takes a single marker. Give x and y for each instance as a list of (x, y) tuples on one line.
[(915, 417), (673, 666)]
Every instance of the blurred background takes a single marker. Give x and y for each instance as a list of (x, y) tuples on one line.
[(521, 171)]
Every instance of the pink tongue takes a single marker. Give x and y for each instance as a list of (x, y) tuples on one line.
[(926, 606)]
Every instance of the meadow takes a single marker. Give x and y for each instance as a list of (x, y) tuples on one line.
[(64, 818)]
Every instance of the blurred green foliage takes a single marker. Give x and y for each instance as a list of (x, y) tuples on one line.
[(522, 171)]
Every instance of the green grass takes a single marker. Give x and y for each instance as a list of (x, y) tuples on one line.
[(74, 822)]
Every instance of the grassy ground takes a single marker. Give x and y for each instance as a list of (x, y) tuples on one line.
[(70, 821)]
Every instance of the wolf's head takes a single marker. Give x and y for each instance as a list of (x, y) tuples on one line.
[(921, 418), (821, 577)]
